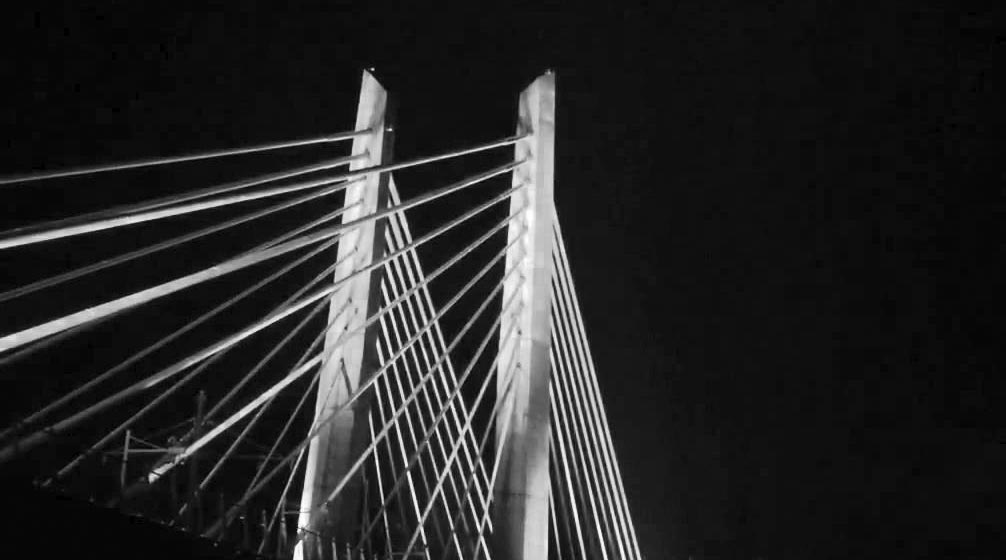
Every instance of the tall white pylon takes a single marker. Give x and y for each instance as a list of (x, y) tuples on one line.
[(340, 441), (521, 492)]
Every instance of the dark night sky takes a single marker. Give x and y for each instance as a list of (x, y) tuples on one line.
[(754, 199)]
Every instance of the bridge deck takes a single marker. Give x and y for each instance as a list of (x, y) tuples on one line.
[(41, 524)]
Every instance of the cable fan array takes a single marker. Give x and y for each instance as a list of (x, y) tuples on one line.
[(330, 373)]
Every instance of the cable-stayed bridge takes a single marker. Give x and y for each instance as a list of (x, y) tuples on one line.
[(310, 362)]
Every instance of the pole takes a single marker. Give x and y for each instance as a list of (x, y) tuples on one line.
[(194, 512)]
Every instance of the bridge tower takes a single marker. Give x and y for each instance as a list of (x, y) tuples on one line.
[(521, 492), (347, 362), (522, 489)]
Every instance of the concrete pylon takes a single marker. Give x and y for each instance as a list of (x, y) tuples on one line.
[(352, 359), (520, 514)]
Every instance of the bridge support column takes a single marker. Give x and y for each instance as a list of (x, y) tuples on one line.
[(521, 492), (351, 360)]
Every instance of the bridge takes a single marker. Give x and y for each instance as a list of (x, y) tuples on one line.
[(315, 361)]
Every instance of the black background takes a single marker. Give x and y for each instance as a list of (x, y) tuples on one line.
[(784, 291)]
